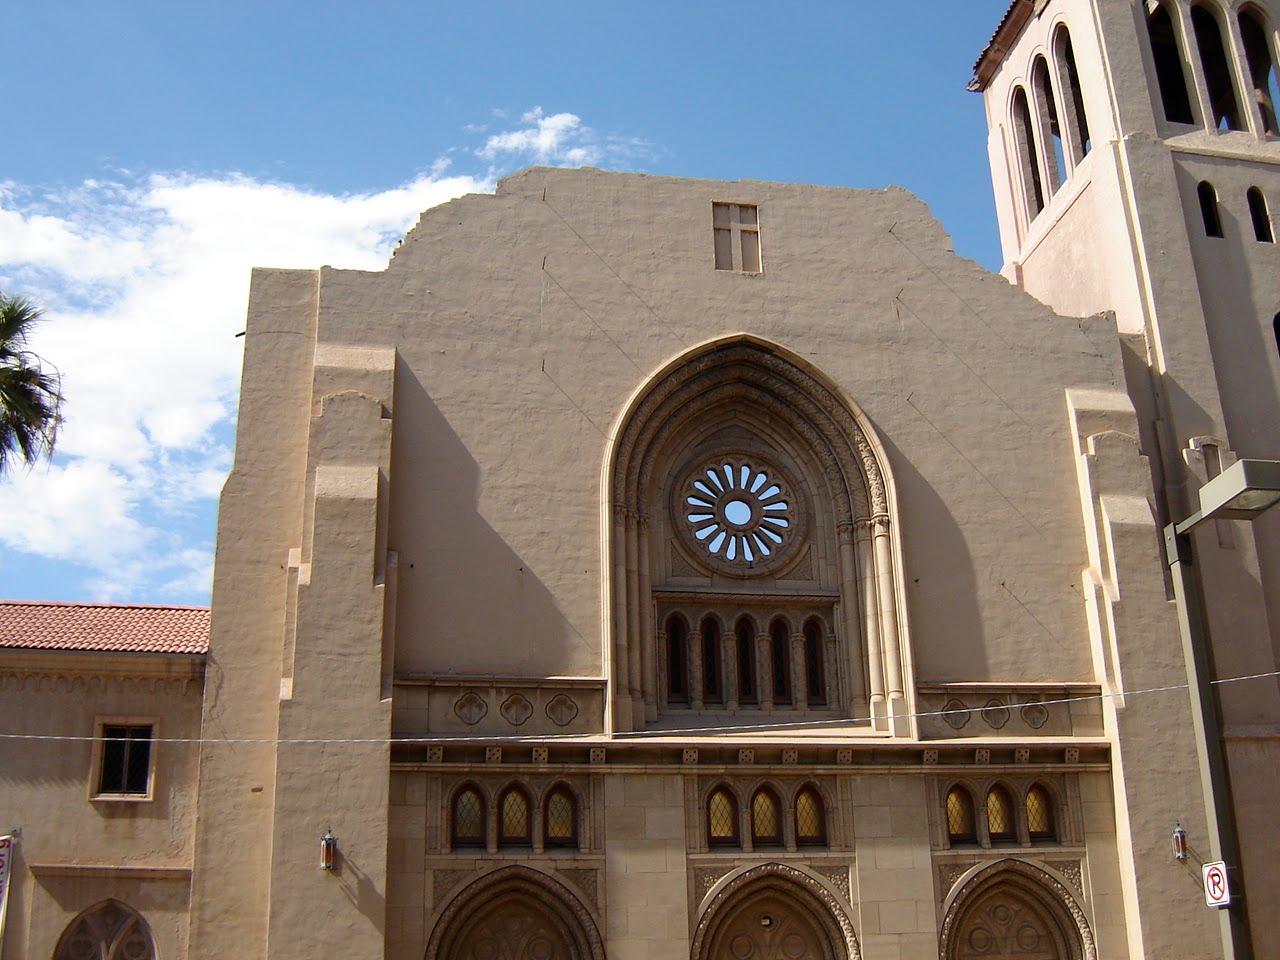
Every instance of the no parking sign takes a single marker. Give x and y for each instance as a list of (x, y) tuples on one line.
[(1217, 889)]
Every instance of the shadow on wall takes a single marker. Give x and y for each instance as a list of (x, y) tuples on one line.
[(468, 604), (948, 641)]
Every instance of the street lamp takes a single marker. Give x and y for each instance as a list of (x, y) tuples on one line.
[(1241, 492)]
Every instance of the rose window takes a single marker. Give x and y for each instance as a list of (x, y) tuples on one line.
[(738, 512)]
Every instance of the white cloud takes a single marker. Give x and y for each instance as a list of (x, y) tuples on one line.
[(561, 138), (145, 284)]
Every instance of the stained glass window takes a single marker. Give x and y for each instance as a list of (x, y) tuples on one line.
[(513, 826), (561, 826), (722, 819), (468, 819), (765, 826), (1000, 822), (1039, 814), (810, 825), (961, 826)]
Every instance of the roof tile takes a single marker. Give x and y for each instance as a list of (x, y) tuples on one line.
[(104, 627)]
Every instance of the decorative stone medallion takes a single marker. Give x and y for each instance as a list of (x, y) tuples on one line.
[(955, 713), (561, 710), (995, 713), (1035, 714), (471, 708), (516, 709)]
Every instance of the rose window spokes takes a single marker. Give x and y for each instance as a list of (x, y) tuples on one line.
[(738, 513)]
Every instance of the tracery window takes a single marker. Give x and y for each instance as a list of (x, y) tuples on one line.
[(1001, 826), (560, 819), (766, 819), (811, 821), (1040, 821), (108, 931), (722, 818), (468, 820), (513, 818), (962, 825)]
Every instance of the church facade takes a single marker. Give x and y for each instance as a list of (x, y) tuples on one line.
[(656, 568)]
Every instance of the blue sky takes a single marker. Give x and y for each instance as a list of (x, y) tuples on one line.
[(162, 149)]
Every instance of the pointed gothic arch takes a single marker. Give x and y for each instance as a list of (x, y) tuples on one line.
[(789, 912), (515, 911), (752, 406), (109, 930), (1019, 908)]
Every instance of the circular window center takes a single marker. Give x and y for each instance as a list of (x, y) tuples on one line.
[(737, 512)]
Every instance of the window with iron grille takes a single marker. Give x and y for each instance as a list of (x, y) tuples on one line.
[(124, 767), (766, 823), (811, 828), (722, 819), (468, 818), (560, 826)]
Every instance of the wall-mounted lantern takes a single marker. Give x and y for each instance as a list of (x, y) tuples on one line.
[(328, 850), (1179, 843)]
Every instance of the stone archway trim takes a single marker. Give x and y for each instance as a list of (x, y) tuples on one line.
[(830, 912), (571, 913), (1049, 891)]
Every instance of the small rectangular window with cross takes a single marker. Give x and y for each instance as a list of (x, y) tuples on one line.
[(737, 236), (122, 760)]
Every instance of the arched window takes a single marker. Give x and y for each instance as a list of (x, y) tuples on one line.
[(711, 680), (962, 825), (1028, 158), (1047, 112), (1275, 326), (468, 826), (1170, 73), (722, 819), (1260, 215), (108, 931), (1040, 820), (780, 660), (1072, 98), (815, 677), (1001, 826), (560, 819), (513, 818), (746, 633), (811, 821), (677, 660), (1209, 209), (1262, 67), (1217, 70), (766, 820)]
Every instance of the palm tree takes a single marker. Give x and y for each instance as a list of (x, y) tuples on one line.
[(30, 397)]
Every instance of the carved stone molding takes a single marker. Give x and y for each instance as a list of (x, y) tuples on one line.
[(470, 708), (516, 709), (787, 881), (839, 877), (561, 710), (561, 907), (1071, 869), (1031, 882), (584, 881)]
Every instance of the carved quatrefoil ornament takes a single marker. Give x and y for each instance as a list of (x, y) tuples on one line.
[(738, 513)]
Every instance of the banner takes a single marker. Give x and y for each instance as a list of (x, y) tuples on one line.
[(6, 859)]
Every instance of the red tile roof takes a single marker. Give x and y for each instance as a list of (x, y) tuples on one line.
[(106, 627), (1010, 28)]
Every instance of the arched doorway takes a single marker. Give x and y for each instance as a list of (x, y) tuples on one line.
[(515, 913), (109, 930), (774, 912), (1013, 910)]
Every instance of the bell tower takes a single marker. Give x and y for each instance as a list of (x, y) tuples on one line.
[(1135, 156)]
